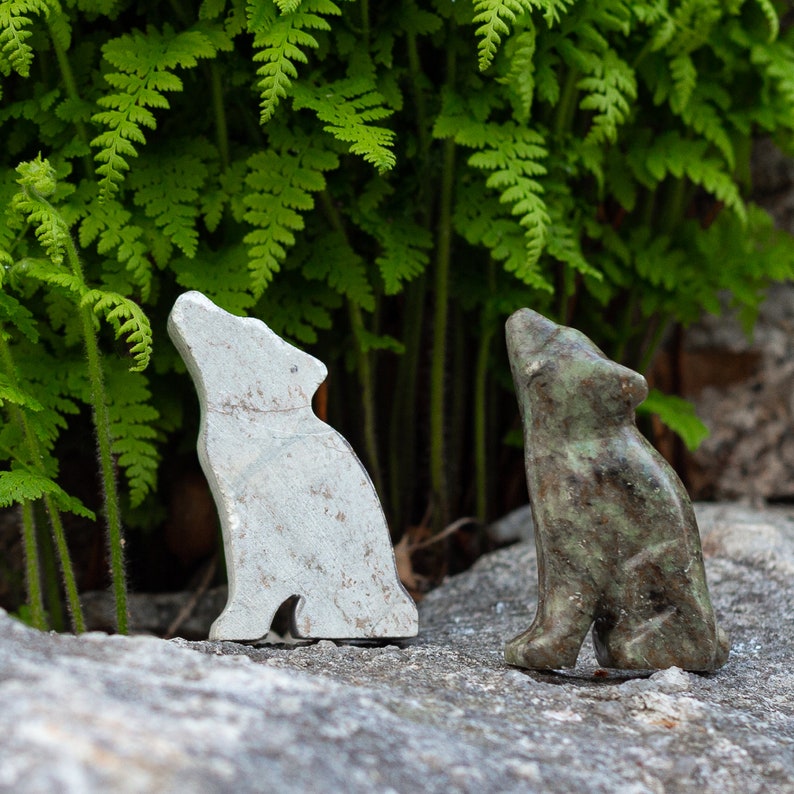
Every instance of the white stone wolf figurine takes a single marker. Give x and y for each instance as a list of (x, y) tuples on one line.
[(299, 513)]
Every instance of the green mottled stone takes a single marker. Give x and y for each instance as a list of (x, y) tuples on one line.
[(617, 540)]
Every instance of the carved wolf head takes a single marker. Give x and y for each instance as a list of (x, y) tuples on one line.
[(239, 360)]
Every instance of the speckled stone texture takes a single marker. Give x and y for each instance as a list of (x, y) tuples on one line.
[(299, 513), (440, 713), (617, 541)]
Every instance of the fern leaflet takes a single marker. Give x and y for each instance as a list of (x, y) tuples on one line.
[(611, 88), (131, 423), (15, 53), (280, 184), (127, 320), (279, 38), (348, 106), (496, 16), (145, 64), (25, 485)]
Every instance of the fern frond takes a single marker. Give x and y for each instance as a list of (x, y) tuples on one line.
[(702, 116), (110, 224), (222, 276), (12, 393), (168, 189), (19, 486), (47, 272), (565, 244), (348, 106), (127, 320), (685, 78), (334, 262), (296, 308), (132, 420), (483, 220), (496, 16), (671, 154), (145, 64), (281, 40), (405, 247), (280, 185), (12, 312), (37, 181), (688, 27), (772, 20), (514, 157), (611, 90), (15, 53), (520, 77)]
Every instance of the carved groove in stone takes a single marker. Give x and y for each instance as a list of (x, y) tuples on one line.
[(617, 540), (299, 513)]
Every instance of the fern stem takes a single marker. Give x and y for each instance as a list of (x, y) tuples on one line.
[(71, 91), (67, 570), (367, 382), (402, 437), (365, 26), (566, 107), (52, 593), (480, 425), (109, 487), (420, 106), (219, 110), (32, 568), (438, 480), (480, 401), (363, 361), (99, 404)]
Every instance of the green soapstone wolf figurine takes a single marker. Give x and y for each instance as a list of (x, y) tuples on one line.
[(617, 541)]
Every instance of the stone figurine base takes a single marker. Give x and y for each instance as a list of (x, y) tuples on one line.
[(617, 541), (299, 513)]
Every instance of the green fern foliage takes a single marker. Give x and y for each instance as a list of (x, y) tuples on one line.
[(282, 32), (128, 321), (281, 185), (16, 54), (19, 486), (145, 66), (348, 107)]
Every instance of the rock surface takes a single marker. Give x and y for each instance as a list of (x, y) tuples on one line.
[(439, 713)]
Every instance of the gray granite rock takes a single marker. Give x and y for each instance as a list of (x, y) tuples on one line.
[(439, 713)]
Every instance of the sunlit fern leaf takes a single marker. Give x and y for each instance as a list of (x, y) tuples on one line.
[(677, 414), (132, 426), (348, 108), (37, 182), (281, 40), (15, 20), (495, 18), (702, 116), (520, 77), (128, 322), (111, 225), (770, 14), (168, 189), (334, 262), (223, 277), (611, 91), (287, 6), (145, 64), (279, 189), (19, 486)]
